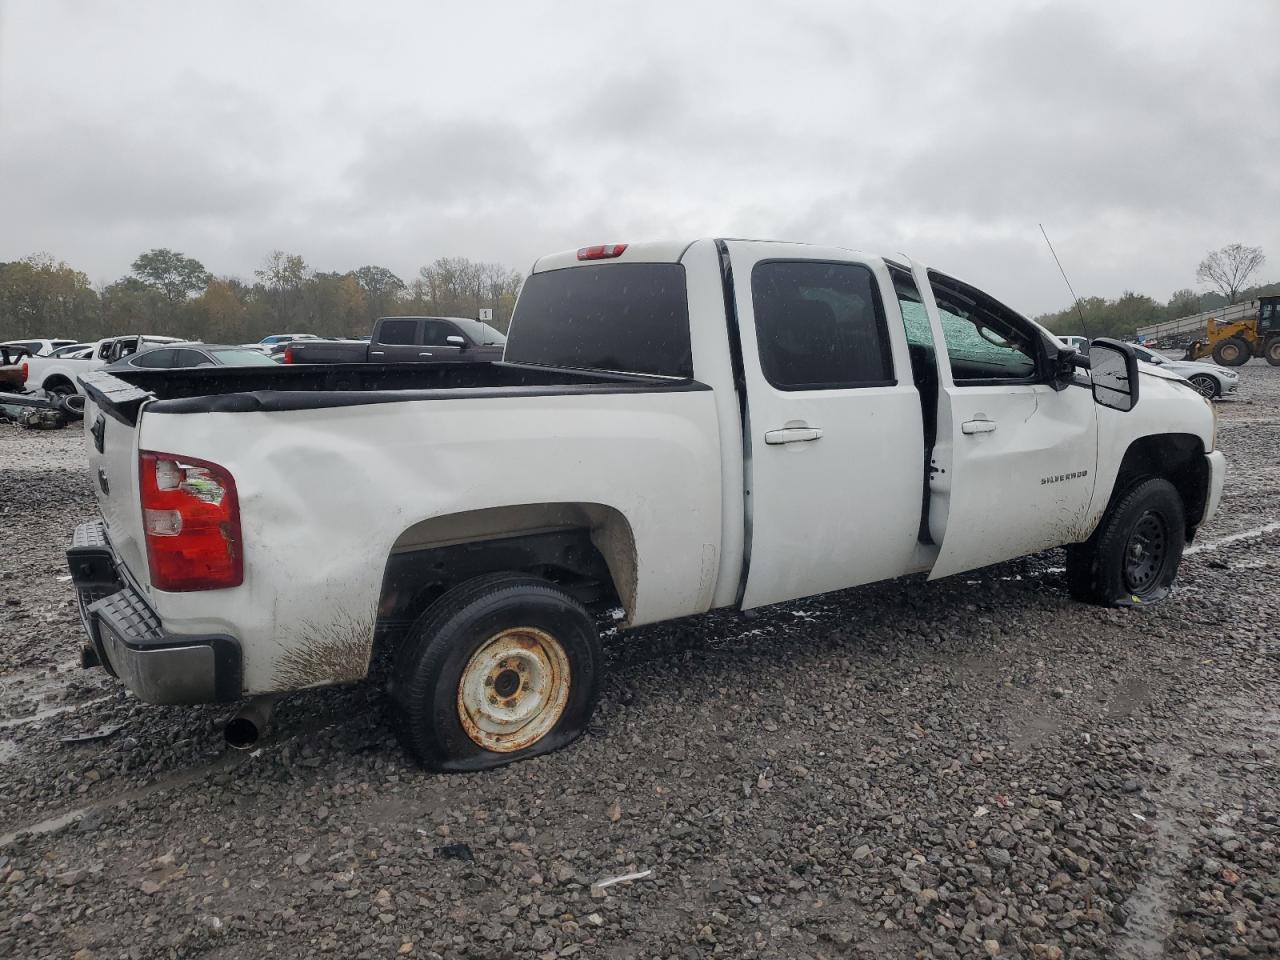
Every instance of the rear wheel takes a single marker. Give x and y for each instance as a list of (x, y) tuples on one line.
[(1231, 352), (499, 669), (1272, 351), (1205, 385), (1133, 556)]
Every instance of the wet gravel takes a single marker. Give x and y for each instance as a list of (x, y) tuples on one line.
[(975, 767)]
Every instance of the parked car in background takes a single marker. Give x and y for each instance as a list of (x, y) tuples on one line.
[(285, 338), (174, 356), (74, 351), (39, 347), (676, 427), (1080, 343), (408, 340), (59, 376), (1209, 379)]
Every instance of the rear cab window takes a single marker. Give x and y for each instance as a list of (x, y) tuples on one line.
[(623, 317), (397, 332)]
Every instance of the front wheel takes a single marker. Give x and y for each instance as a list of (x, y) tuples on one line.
[(499, 669), (1205, 385), (1232, 352), (1133, 556)]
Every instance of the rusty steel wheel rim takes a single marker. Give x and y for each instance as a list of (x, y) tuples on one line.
[(514, 689)]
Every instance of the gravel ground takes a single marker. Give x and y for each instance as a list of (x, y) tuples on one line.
[(974, 767)]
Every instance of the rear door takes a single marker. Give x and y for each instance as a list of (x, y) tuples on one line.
[(397, 340), (834, 435), (1013, 466)]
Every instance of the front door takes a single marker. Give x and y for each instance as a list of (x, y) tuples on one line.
[(1013, 466), (834, 438), (435, 341)]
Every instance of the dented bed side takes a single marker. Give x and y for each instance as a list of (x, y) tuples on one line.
[(326, 494)]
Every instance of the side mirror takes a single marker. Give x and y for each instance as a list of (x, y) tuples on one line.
[(457, 341), (1114, 368)]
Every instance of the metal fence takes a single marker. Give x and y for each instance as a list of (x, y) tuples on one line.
[(1195, 324)]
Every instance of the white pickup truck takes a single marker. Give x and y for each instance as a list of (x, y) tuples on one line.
[(675, 427), (60, 376)]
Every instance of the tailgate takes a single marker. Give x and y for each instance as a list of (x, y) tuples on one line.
[(111, 418)]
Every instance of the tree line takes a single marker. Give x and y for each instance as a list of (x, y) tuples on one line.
[(1226, 272), (170, 294)]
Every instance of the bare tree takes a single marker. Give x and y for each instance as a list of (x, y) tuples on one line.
[(1226, 270)]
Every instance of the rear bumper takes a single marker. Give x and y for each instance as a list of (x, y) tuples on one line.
[(1217, 464), (129, 641)]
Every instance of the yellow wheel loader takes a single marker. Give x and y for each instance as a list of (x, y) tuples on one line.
[(1233, 343)]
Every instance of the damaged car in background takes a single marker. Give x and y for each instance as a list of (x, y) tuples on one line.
[(673, 428)]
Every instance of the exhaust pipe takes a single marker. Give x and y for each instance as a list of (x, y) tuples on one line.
[(249, 723)]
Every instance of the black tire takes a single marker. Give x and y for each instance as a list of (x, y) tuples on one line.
[(1133, 556), (1231, 352), (457, 636), (1205, 385), (1272, 351)]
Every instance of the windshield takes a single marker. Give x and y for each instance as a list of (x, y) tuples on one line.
[(74, 348), (242, 358), (489, 335)]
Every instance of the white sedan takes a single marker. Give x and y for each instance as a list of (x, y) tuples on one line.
[(1210, 379)]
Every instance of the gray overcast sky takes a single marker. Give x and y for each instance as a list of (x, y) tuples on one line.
[(1141, 133)]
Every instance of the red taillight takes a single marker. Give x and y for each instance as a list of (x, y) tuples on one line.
[(288, 354), (26, 371), (191, 519), (602, 251)]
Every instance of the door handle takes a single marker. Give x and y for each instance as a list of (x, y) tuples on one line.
[(978, 426), (792, 435), (424, 354), (376, 353)]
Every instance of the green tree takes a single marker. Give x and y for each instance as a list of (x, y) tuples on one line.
[(382, 289), (283, 275), (1183, 303), (43, 297), (334, 305), (131, 305), (221, 314), (456, 286), (173, 274)]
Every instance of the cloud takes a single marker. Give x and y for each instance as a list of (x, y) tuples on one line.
[(399, 133)]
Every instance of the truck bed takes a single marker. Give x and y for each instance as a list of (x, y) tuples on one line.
[(315, 386)]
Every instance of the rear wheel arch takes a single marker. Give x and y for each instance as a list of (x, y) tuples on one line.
[(586, 549), (58, 383)]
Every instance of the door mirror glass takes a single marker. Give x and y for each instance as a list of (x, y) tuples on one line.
[(1114, 369)]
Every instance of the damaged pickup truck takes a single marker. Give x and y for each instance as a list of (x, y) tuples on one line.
[(675, 427)]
